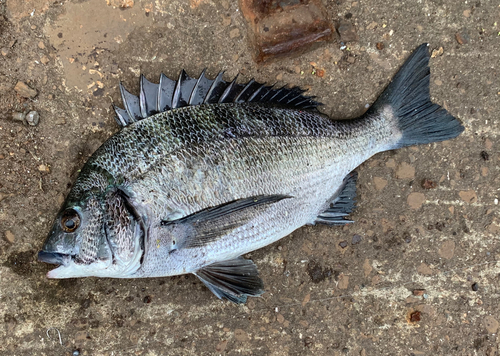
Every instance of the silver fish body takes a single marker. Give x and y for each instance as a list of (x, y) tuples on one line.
[(192, 188)]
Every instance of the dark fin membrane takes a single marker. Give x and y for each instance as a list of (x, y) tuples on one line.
[(186, 91), (419, 120), (183, 89), (165, 93), (342, 205), (233, 280), (148, 97), (132, 105), (200, 90)]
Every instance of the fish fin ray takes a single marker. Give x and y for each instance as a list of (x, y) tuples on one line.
[(234, 280), (122, 117), (183, 89), (200, 90), (343, 203), (231, 93), (247, 91), (131, 103), (216, 89)]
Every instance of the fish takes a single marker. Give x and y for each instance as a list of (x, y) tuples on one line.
[(204, 171)]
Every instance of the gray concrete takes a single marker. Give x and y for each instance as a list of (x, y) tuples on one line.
[(321, 298)]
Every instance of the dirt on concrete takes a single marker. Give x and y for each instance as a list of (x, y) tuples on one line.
[(418, 273)]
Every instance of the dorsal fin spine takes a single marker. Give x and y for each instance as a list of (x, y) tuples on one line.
[(131, 103), (224, 95), (177, 92), (255, 93), (218, 80), (249, 84)]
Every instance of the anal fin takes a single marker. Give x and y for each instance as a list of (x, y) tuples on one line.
[(233, 280), (342, 205)]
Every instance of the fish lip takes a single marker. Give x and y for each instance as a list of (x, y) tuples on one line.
[(54, 258)]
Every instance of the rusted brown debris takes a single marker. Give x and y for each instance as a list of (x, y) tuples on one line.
[(284, 27)]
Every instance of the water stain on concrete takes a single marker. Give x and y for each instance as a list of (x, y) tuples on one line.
[(83, 32)]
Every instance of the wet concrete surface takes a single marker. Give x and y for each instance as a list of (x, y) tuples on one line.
[(417, 274)]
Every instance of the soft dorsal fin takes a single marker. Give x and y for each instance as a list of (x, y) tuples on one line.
[(186, 91)]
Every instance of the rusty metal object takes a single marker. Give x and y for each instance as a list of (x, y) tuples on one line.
[(278, 28)]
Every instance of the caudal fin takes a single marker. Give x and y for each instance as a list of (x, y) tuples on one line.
[(419, 120)]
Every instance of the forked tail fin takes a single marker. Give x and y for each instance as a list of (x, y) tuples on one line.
[(418, 119)]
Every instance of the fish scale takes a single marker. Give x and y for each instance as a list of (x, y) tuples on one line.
[(225, 169)]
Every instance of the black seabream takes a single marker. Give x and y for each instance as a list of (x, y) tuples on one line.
[(204, 171)]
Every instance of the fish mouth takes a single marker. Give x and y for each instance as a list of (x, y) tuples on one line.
[(54, 258)]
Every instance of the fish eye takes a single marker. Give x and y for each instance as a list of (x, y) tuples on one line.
[(70, 220)]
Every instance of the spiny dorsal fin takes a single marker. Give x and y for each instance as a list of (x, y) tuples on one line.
[(170, 94)]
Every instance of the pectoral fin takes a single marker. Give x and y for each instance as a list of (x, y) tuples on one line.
[(233, 280), (208, 225)]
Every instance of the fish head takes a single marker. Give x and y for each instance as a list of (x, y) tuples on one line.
[(82, 242)]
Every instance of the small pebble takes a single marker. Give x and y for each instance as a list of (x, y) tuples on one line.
[(25, 91), (76, 353), (475, 287), (343, 244), (347, 32), (462, 37), (437, 52), (428, 184), (320, 72), (356, 239), (234, 33), (415, 316), (5, 51), (33, 118), (418, 292), (43, 168), (9, 237)]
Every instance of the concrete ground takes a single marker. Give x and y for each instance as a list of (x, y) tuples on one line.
[(417, 274)]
